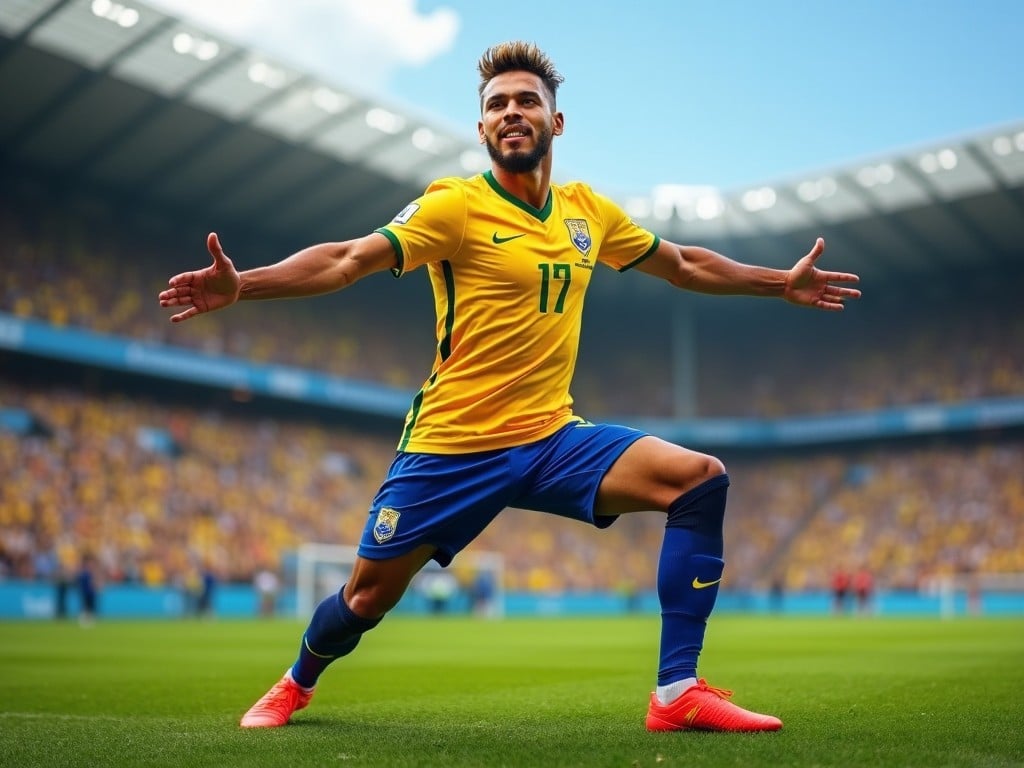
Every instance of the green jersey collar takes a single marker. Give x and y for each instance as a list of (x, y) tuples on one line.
[(540, 213)]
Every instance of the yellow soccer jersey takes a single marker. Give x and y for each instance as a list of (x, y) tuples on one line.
[(508, 282)]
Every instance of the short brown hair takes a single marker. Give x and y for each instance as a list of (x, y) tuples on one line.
[(518, 56)]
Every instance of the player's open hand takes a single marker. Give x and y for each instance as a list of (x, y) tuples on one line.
[(809, 286), (204, 290)]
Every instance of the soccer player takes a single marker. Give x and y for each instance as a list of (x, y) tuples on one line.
[(509, 255)]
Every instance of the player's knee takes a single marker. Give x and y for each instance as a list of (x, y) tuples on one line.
[(713, 467), (370, 601), (695, 469)]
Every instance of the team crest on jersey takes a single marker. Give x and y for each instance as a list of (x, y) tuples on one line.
[(579, 233), (386, 525)]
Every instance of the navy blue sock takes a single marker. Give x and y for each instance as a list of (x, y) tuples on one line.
[(333, 632), (689, 570)]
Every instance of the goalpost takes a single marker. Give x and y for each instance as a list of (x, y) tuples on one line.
[(980, 593), (472, 584)]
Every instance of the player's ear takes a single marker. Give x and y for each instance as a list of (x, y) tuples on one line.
[(480, 130), (557, 124)]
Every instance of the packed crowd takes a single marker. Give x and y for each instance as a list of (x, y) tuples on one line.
[(931, 512), (72, 270), (964, 347), (233, 488), (220, 491), (234, 491)]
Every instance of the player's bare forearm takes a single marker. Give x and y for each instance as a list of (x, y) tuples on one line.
[(699, 269), (312, 271), (711, 272), (703, 270), (318, 269)]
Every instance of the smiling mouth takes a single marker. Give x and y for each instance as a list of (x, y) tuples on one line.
[(514, 134)]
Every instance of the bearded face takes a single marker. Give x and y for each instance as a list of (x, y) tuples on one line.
[(519, 161)]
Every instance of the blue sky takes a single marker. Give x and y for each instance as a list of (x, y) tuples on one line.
[(724, 92)]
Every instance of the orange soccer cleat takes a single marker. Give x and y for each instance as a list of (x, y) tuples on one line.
[(705, 708), (275, 708)]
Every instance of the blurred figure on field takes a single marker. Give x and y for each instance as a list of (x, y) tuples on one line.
[(62, 583), (863, 589), (840, 589), (776, 593), (439, 587), (88, 589), (207, 587), (198, 586), (630, 595), (61, 587), (482, 592), (266, 584)]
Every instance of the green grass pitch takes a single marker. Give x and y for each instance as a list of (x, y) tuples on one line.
[(519, 692)]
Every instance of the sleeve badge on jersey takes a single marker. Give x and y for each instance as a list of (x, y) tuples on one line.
[(579, 234), (406, 213), (386, 525)]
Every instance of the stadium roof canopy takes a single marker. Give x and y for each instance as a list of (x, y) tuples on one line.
[(125, 97)]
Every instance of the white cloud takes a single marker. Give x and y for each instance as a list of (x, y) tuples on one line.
[(359, 42)]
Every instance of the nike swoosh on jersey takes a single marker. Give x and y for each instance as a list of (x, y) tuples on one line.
[(698, 584), (499, 240)]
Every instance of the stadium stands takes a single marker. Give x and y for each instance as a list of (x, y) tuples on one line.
[(235, 491), (74, 268), (243, 485), (241, 488), (102, 202)]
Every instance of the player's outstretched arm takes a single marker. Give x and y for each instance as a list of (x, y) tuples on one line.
[(314, 270), (703, 270)]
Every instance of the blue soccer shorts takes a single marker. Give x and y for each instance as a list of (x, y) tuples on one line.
[(448, 500)]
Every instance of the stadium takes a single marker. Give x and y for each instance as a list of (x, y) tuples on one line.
[(218, 472)]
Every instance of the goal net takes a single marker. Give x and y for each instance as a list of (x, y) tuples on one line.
[(473, 584)]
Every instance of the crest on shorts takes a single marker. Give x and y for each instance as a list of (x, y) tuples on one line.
[(386, 525), (579, 233)]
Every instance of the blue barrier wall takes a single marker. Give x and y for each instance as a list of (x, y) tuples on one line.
[(38, 600), (118, 354)]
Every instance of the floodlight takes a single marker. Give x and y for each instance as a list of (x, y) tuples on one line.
[(760, 199), (384, 121), (122, 15), (425, 140)]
